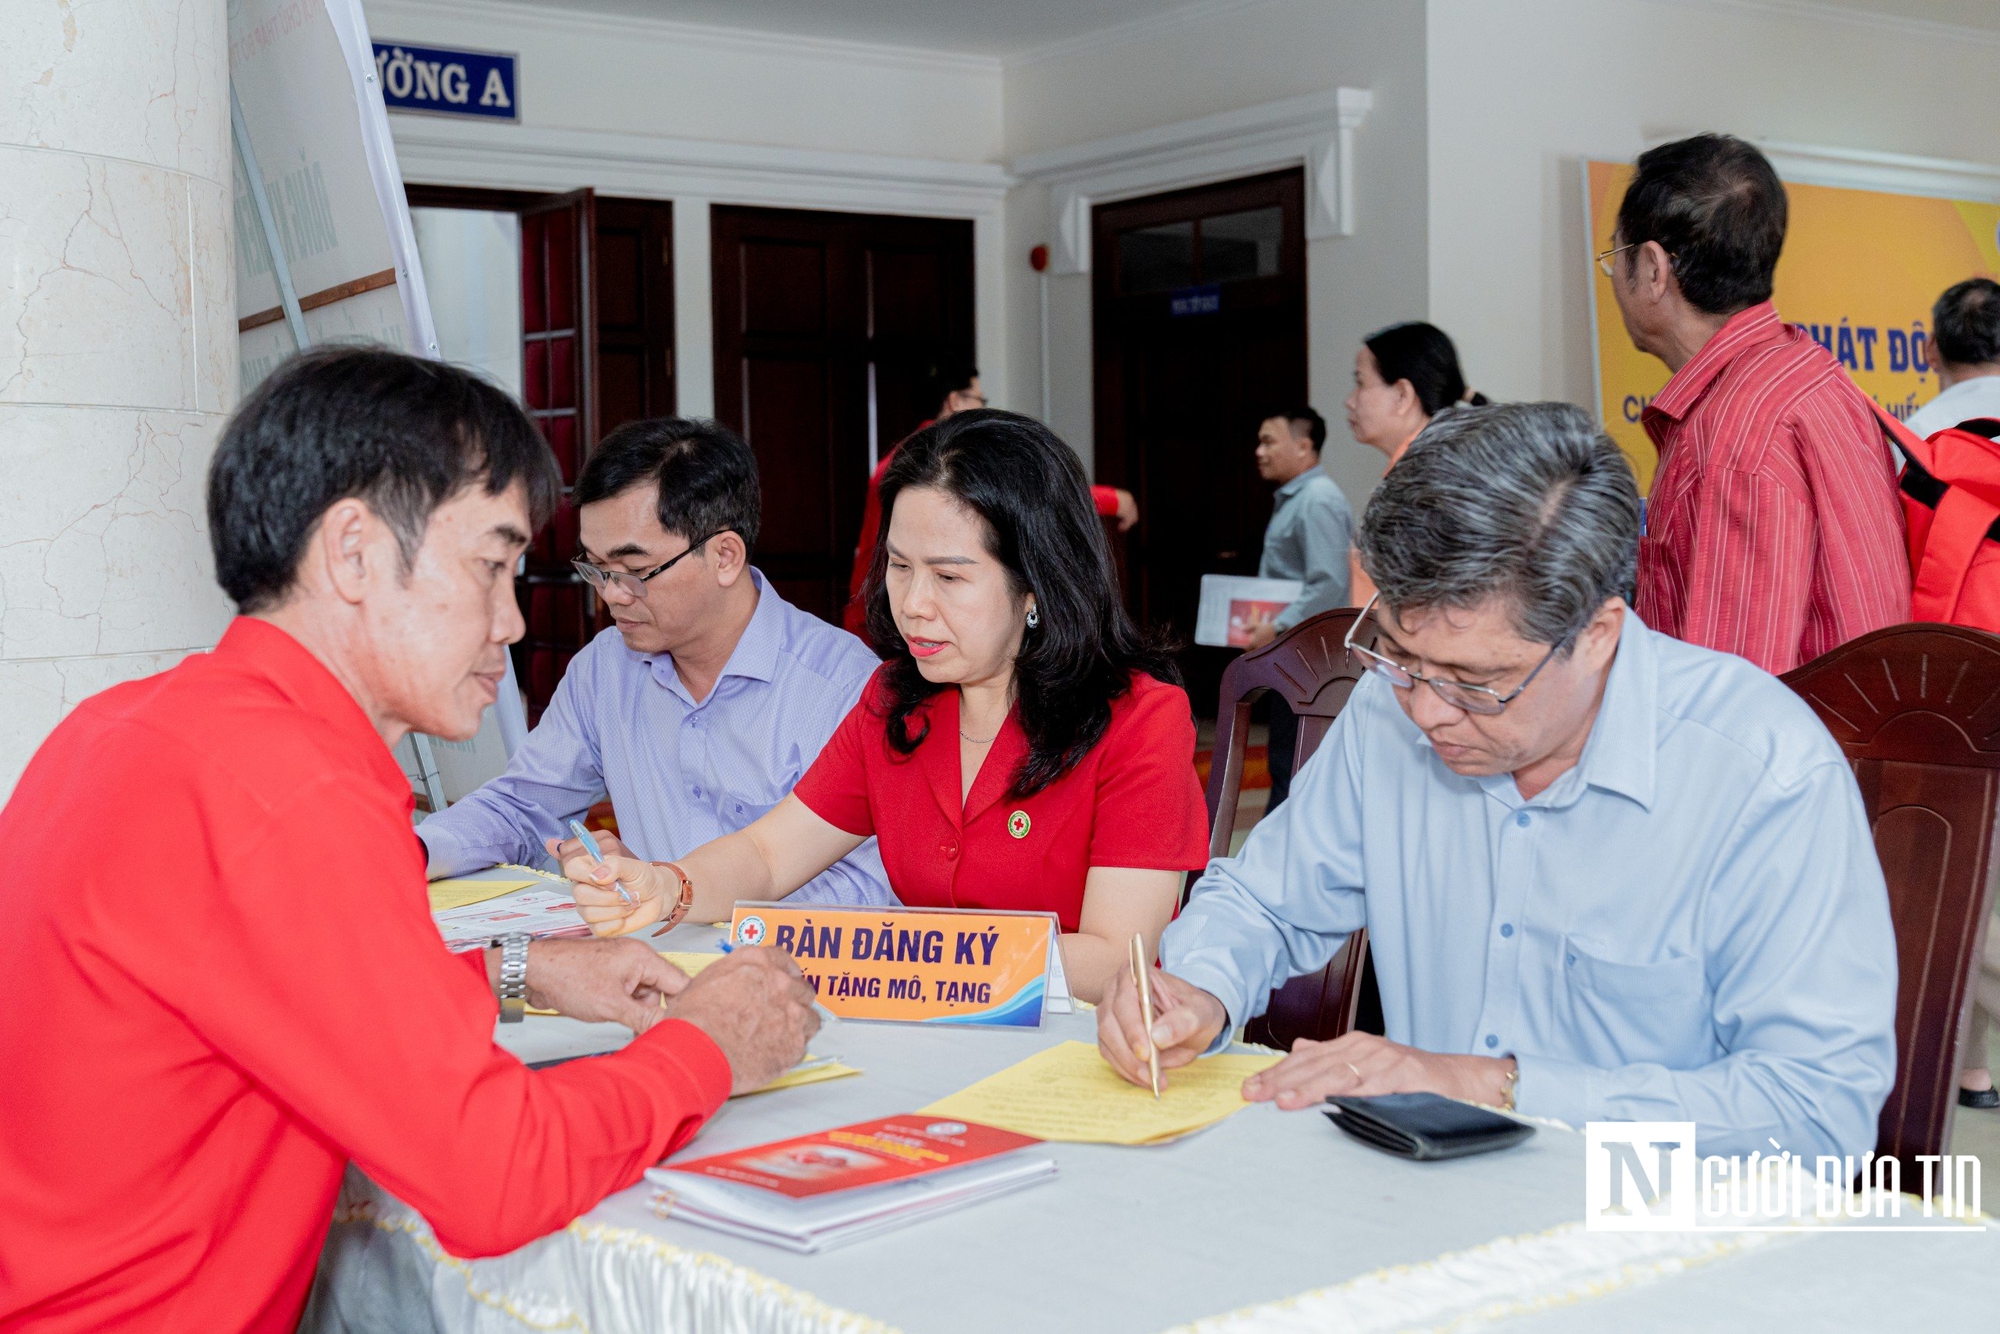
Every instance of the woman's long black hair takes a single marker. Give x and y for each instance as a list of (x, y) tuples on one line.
[(1030, 490), (1422, 354)]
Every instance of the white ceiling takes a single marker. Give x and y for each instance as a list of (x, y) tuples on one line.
[(1010, 27), (977, 27)]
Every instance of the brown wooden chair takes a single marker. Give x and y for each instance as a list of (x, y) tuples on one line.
[(1917, 709), (1309, 671)]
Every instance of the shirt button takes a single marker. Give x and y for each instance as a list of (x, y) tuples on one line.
[(695, 790), (950, 850), (1522, 819), (1492, 1039), (1506, 928)]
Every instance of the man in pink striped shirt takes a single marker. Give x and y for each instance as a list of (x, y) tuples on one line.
[(1772, 529)]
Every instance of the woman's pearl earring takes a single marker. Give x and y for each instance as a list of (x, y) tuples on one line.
[(1034, 618)]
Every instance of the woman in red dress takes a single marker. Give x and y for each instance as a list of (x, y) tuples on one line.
[(1023, 747)]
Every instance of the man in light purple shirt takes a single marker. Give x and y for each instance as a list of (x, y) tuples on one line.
[(704, 703)]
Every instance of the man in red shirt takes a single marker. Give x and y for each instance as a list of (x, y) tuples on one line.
[(959, 390), (1772, 529), (232, 985)]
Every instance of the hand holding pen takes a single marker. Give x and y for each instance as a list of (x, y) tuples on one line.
[(589, 841)]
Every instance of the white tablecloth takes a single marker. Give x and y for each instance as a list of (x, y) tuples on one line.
[(1269, 1221)]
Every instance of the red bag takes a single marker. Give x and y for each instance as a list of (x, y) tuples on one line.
[(1951, 510)]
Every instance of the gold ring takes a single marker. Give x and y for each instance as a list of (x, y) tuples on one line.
[(1357, 1073)]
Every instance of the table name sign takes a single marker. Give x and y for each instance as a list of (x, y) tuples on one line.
[(916, 965)]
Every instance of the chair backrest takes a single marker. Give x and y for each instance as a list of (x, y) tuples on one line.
[(1308, 669), (1917, 710)]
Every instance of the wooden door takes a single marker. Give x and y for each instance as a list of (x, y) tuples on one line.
[(634, 257), (1199, 319), (557, 388), (827, 329)]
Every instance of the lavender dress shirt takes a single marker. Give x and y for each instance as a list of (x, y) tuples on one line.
[(678, 773)]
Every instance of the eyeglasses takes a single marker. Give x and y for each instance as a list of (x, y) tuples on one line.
[(632, 585), (1459, 694), (1604, 260)]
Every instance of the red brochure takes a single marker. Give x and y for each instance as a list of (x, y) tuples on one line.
[(868, 1153)]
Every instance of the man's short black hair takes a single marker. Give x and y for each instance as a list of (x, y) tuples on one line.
[(707, 476), (403, 434), (1965, 323), (1304, 422), (1716, 206), (946, 378)]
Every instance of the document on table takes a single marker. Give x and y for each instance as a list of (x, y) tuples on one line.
[(812, 1070), (1068, 1093), (461, 893), (536, 904)]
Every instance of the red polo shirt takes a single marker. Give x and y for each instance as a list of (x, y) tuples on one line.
[(1132, 801), (223, 983), (1773, 529)]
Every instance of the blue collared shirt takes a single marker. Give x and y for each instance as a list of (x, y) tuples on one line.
[(678, 773), (1311, 529), (1689, 925)]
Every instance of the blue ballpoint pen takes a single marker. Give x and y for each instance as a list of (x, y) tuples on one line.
[(584, 837)]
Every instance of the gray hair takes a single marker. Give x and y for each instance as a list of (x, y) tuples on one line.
[(1525, 501)]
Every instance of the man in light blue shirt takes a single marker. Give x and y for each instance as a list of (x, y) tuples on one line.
[(1311, 525), (706, 700), (1606, 875)]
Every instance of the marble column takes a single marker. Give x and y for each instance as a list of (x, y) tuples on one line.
[(117, 346)]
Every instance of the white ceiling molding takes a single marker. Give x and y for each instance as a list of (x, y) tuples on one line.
[(1864, 169), (521, 157), (1815, 11), (1897, 173), (1132, 30), (1316, 131), (422, 16)]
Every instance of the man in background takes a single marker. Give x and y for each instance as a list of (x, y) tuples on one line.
[(1772, 528), (955, 388), (704, 702), (1308, 538), (232, 985), (1965, 353)]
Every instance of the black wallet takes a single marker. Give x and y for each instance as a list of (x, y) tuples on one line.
[(1425, 1125)]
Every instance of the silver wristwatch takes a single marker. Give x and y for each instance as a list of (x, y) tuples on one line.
[(513, 977)]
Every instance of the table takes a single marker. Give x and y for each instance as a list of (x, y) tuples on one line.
[(1270, 1221)]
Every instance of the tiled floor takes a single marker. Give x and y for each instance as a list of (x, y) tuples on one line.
[(1979, 1132)]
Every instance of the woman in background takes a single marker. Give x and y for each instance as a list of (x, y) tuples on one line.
[(1023, 747), (1404, 375)]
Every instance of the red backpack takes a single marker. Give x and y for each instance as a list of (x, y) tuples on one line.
[(1951, 510)]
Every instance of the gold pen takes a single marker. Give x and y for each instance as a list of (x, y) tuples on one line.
[(1145, 986)]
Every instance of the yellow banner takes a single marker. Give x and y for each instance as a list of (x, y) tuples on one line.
[(942, 966), (1860, 270)]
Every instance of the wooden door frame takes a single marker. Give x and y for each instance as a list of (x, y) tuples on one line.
[(1117, 460), (1114, 457)]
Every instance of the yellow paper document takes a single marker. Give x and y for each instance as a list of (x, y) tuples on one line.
[(1069, 1093), (461, 893), (812, 1070), (691, 961)]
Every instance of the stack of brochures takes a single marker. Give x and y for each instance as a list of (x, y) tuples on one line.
[(849, 1183)]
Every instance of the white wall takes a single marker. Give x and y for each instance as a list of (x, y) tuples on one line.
[(1220, 58), (583, 71), (1520, 91), (472, 265)]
